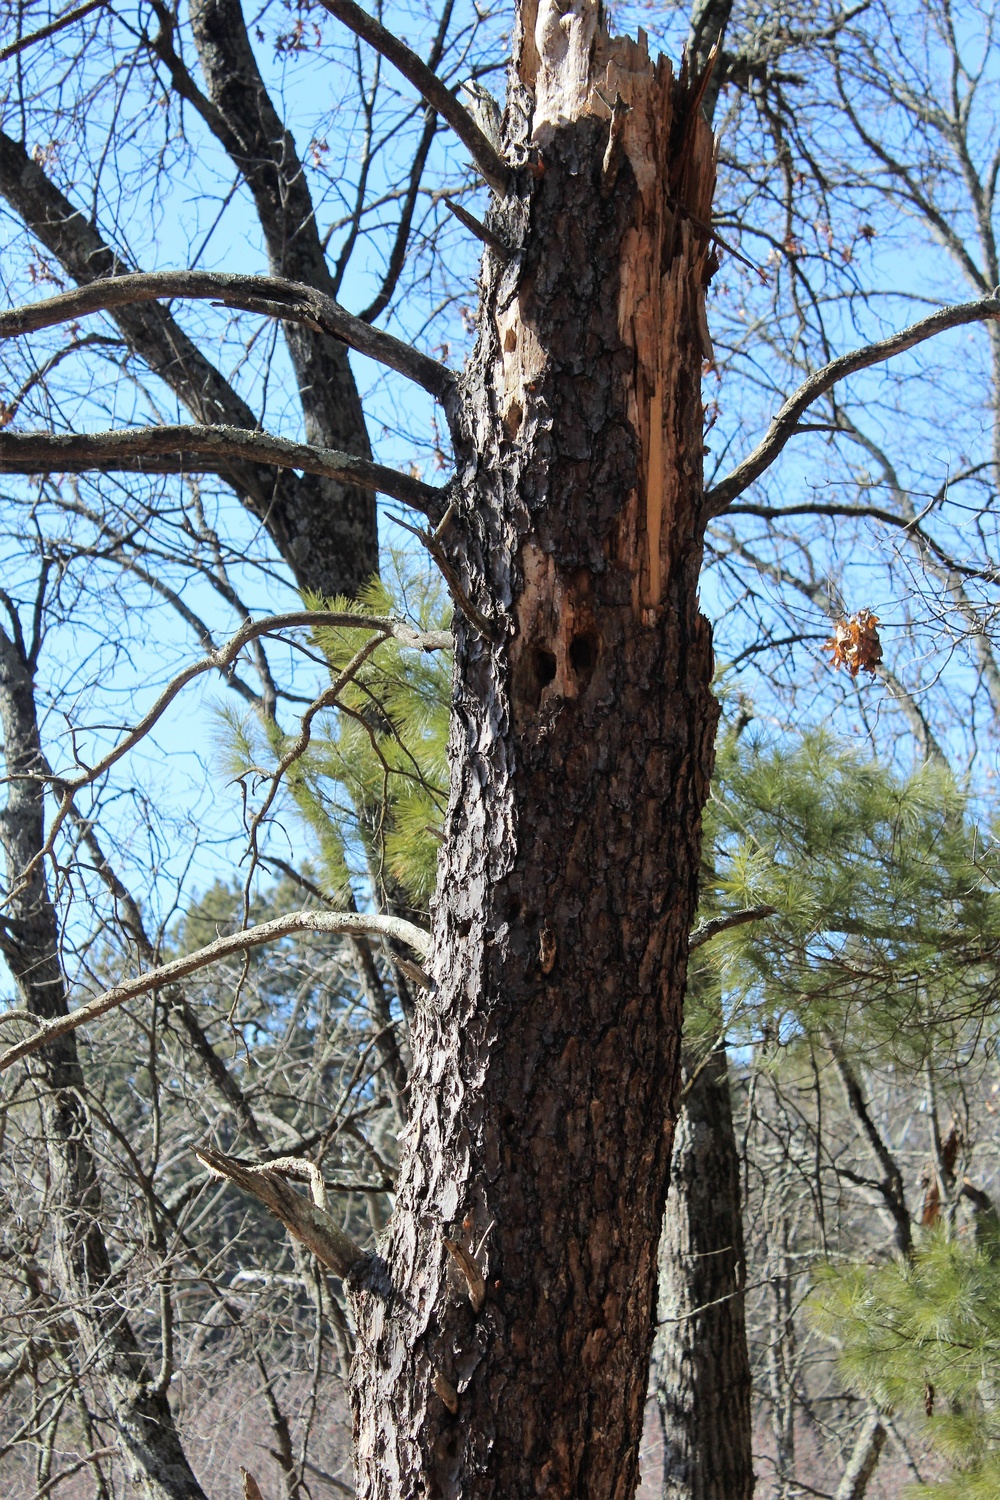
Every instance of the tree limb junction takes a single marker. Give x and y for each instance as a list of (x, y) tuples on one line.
[(721, 495)]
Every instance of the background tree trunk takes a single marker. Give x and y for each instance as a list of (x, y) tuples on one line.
[(545, 1061), (701, 1368), (81, 1265), (863, 1460)]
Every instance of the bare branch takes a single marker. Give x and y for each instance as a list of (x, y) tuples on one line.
[(397, 255), (710, 929), (67, 787), (273, 296), (429, 86), (80, 1463), (347, 924), (891, 1186), (478, 228), (310, 1225), (909, 524), (67, 19), (783, 426), (186, 449)]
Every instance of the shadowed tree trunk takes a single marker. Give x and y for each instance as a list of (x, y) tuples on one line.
[(545, 1061), (701, 1368)]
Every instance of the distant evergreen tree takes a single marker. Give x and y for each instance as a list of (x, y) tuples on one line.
[(922, 1338), (371, 786), (882, 953), (887, 929)]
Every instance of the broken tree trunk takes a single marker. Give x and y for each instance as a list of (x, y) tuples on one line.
[(546, 1058)]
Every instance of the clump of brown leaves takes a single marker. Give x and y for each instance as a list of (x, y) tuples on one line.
[(855, 643)]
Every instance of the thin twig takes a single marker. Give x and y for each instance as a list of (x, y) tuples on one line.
[(475, 616), (429, 86), (220, 660), (67, 19)]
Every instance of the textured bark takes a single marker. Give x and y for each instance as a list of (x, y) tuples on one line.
[(701, 1368), (81, 1266), (545, 1060)]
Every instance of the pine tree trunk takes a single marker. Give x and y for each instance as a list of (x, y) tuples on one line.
[(81, 1269), (546, 1058), (701, 1368)]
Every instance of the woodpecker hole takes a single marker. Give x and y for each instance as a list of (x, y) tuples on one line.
[(535, 671), (545, 666), (583, 657)]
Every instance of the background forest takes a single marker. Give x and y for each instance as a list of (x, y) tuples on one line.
[(836, 1178)]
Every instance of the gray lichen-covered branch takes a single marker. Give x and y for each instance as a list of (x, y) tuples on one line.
[(306, 1221), (173, 449)]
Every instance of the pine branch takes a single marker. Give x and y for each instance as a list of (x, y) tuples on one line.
[(710, 929)]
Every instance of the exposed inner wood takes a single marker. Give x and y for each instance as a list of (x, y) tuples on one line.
[(578, 71)]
